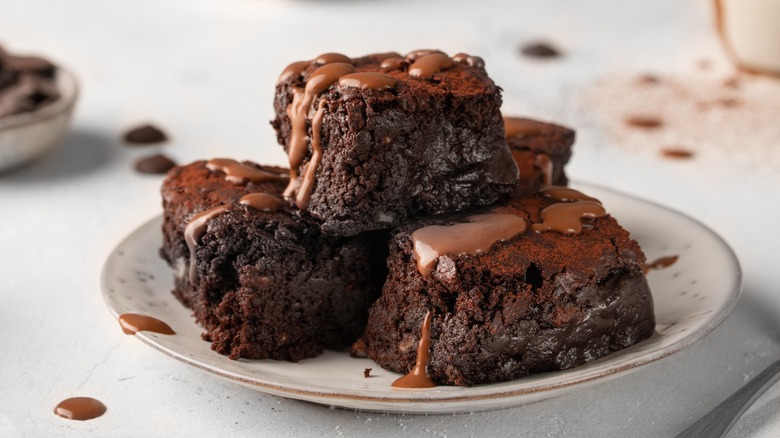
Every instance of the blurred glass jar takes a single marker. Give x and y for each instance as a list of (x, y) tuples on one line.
[(750, 33)]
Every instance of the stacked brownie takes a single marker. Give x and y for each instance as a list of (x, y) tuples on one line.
[(514, 273)]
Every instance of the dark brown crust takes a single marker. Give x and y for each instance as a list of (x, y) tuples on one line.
[(539, 302), (550, 139), (270, 284), (424, 147)]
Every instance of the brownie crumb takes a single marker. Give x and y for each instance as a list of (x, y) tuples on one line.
[(540, 50), (676, 153), (367, 373), (358, 348), (157, 164), (648, 122), (146, 134)]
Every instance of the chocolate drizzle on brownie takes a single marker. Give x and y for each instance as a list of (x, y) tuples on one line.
[(330, 58), (471, 61), (368, 80), (194, 231), (239, 173), (133, 323), (394, 63), (519, 127), (80, 408), (303, 197), (261, 201), (473, 237), (294, 69), (566, 218), (418, 376), (428, 65), (318, 82), (545, 164), (565, 194), (417, 54), (660, 263)]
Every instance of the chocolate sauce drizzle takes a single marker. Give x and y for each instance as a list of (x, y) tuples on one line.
[(417, 54), (194, 231), (133, 323), (660, 263), (519, 127), (261, 201), (80, 408), (473, 237), (418, 376), (471, 61), (238, 173), (428, 65), (318, 82), (545, 164), (394, 63), (307, 184), (294, 69), (330, 58), (565, 194), (566, 218), (368, 80)]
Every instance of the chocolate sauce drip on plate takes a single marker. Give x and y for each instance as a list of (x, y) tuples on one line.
[(261, 201), (330, 58), (318, 82), (565, 194), (294, 69), (473, 237), (518, 127), (394, 63), (368, 80), (471, 61), (80, 408), (427, 66), (418, 376), (566, 218), (238, 173), (194, 231), (660, 263), (133, 323)]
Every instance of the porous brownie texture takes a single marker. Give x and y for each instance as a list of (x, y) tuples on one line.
[(269, 284), (26, 83), (529, 139), (540, 301), (424, 146)]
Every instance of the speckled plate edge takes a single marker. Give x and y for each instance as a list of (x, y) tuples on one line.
[(670, 338)]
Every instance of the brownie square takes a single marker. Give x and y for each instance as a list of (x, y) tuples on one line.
[(532, 301), (376, 140), (541, 151), (261, 279)]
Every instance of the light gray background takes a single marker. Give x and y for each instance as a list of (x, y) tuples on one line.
[(204, 71)]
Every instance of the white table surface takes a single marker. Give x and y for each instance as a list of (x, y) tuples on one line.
[(204, 71)]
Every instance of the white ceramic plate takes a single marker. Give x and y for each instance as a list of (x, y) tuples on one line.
[(691, 298)]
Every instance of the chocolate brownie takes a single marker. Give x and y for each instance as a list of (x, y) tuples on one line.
[(375, 140), (543, 282), (262, 279), (26, 83), (541, 151)]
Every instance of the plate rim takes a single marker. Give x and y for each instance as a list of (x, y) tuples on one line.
[(478, 393)]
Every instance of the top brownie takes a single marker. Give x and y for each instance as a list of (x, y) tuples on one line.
[(375, 140)]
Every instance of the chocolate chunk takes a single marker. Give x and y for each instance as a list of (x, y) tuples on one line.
[(540, 50), (154, 164), (648, 122), (367, 373), (676, 153), (146, 134)]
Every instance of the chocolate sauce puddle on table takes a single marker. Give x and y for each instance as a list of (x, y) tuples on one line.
[(660, 263), (418, 376), (80, 408), (133, 323), (473, 237)]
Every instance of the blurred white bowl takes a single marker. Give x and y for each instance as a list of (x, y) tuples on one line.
[(24, 137)]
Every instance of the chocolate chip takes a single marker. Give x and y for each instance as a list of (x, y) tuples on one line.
[(367, 373), (154, 164), (146, 134), (540, 50)]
